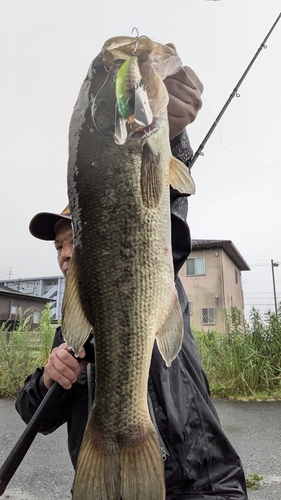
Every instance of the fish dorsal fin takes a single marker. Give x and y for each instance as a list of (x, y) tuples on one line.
[(151, 177), (75, 326), (169, 337), (180, 177)]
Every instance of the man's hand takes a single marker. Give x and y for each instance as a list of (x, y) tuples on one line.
[(62, 367), (185, 91)]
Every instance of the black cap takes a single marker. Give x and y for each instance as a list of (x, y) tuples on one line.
[(42, 225)]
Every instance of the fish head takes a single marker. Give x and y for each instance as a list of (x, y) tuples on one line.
[(128, 97), (163, 58)]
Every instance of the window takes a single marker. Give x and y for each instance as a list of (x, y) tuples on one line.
[(36, 317), (195, 266), (236, 277), (14, 310), (190, 307), (208, 315)]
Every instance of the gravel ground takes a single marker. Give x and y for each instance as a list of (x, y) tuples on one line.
[(47, 455), (46, 473), (254, 429)]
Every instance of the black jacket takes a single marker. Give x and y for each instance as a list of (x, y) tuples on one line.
[(200, 463)]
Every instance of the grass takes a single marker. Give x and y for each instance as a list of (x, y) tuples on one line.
[(254, 481), (23, 350), (243, 363)]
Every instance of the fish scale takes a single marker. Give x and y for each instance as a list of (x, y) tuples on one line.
[(120, 283)]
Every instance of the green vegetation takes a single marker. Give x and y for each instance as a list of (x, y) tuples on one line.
[(23, 350), (253, 481), (244, 362)]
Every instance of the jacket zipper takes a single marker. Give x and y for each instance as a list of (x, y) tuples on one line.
[(163, 447)]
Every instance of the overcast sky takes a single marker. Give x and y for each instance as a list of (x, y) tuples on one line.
[(46, 49)]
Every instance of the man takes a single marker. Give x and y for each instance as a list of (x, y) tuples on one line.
[(200, 463)]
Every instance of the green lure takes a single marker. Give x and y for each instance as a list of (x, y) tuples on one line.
[(132, 100), (127, 78)]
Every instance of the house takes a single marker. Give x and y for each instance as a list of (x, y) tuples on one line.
[(212, 280), (11, 301), (51, 288)]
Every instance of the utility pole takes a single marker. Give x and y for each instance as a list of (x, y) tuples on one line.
[(274, 264)]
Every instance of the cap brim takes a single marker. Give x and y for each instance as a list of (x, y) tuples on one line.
[(42, 226)]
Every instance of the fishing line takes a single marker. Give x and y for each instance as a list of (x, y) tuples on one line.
[(232, 95), (217, 123), (220, 131), (92, 103)]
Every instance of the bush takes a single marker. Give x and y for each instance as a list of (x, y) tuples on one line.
[(46, 332), (243, 362), (22, 350)]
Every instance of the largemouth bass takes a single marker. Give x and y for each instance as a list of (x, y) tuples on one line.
[(120, 283)]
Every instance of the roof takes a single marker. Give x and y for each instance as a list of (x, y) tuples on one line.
[(33, 279), (6, 291), (229, 248)]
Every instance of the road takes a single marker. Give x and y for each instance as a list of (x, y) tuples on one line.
[(254, 428)]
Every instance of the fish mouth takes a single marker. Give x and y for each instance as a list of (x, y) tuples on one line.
[(128, 133), (144, 131)]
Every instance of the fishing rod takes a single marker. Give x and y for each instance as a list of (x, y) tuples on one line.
[(20, 449), (232, 95), (17, 454)]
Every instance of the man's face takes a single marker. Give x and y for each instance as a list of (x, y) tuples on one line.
[(64, 244)]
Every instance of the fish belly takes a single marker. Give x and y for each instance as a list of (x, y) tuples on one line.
[(125, 272)]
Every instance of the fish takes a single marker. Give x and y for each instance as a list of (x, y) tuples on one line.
[(120, 284)]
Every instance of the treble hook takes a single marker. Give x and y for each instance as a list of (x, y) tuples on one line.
[(138, 37), (135, 29)]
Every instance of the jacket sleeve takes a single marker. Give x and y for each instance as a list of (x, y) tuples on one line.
[(181, 240), (32, 394)]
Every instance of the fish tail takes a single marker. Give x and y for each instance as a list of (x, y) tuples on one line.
[(142, 470), (98, 471), (134, 472)]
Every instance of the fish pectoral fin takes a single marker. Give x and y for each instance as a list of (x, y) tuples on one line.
[(75, 326), (169, 337), (151, 177), (180, 177)]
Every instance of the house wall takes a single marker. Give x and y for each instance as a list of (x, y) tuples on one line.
[(233, 292), (50, 288), (28, 306), (215, 289)]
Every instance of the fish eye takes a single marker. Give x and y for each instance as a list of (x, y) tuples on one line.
[(101, 69)]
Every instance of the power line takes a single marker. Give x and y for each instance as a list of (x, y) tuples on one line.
[(263, 264), (257, 305)]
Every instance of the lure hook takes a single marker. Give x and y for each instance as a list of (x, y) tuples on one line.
[(138, 39), (137, 31)]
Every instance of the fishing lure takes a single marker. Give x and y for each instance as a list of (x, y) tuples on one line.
[(132, 100)]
